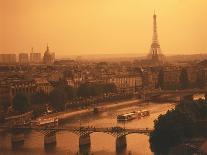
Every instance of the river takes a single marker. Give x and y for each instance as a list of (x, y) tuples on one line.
[(101, 143)]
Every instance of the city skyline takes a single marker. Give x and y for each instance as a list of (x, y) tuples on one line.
[(103, 77), (95, 28)]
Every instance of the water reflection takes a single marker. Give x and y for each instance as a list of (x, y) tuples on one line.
[(198, 96), (51, 148), (16, 146), (121, 151)]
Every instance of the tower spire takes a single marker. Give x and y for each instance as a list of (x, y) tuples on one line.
[(155, 51), (47, 48), (155, 37)]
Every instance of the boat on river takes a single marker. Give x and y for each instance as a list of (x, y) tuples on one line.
[(127, 116), (53, 121), (133, 115), (97, 110), (143, 113)]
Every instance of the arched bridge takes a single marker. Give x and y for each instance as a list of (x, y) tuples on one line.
[(115, 131), (83, 132)]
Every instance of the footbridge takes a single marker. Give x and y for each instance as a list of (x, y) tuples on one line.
[(83, 132)]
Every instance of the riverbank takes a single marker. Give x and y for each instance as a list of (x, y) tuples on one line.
[(68, 114), (101, 143)]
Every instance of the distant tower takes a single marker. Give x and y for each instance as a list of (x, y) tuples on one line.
[(35, 58), (155, 55)]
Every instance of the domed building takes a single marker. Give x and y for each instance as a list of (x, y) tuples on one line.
[(48, 57)]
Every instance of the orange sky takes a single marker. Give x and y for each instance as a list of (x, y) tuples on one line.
[(102, 26)]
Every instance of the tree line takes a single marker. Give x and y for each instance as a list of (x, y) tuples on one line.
[(62, 93)]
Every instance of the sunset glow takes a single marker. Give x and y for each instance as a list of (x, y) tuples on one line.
[(73, 27)]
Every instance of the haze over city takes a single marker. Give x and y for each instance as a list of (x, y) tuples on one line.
[(102, 27), (103, 77)]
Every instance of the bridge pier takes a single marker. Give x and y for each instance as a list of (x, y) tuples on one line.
[(121, 142), (50, 138), (84, 141), (84, 144), (17, 137)]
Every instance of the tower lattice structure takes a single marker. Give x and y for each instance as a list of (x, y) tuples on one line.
[(155, 54)]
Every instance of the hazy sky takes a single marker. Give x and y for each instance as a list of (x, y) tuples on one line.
[(102, 26)]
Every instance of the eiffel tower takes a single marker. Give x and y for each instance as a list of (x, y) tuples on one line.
[(155, 56)]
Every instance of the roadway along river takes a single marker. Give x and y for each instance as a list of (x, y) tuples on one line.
[(101, 143)]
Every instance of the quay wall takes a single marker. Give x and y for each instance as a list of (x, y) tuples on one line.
[(67, 115)]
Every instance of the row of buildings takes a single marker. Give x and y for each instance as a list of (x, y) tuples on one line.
[(36, 78), (125, 75), (26, 58), (196, 76), (11, 86)]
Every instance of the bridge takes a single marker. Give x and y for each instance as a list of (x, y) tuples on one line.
[(83, 132), (148, 94)]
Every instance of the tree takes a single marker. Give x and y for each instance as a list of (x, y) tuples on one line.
[(110, 88), (60, 95), (71, 92), (184, 82), (84, 90), (4, 106), (89, 89), (20, 102), (160, 83), (58, 98), (169, 131), (95, 89), (39, 98), (178, 124)]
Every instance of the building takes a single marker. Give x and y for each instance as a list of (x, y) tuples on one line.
[(42, 85), (192, 72), (128, 83), (8, 59), (48, 57), (75, 80), (35, 58), (23, 58), (201, 70), (150, 78), (5, 96), (19, 85), (172, 77)]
